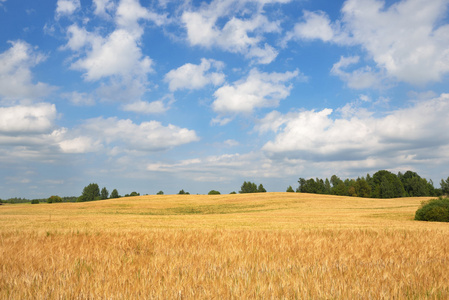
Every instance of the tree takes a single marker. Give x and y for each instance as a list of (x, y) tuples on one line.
[(90, 193), (54, 199), (104, 194), (387, 185), (114, 194), (445, 186), (181, 192), (134, 194), (248, 187), (214, 192), (160, 193), (290, 189), (261, 189)]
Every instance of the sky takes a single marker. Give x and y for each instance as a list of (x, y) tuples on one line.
[(198, 95)]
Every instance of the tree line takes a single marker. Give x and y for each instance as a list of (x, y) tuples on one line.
[(383, 184)]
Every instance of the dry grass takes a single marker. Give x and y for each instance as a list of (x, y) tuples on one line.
[(274, 245)]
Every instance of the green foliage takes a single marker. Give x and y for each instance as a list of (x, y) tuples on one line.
[(386, 185), (104, 194), (290, 189), (54, 199), (248, 187), (436, 210), (90, 193), (414, 185), (114, 194), (232, 193), (261, 189), (182, 192), (34, 201), (445, 186), (160, 193), (214, 192)]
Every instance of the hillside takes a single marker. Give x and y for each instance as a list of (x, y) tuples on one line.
[(249, 246), (255, 211)]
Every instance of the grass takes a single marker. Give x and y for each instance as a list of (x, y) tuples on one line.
[(271, 245)]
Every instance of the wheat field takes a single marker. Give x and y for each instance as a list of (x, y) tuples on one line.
[(249, 246)]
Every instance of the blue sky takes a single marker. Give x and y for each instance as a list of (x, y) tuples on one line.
[(200, 95)]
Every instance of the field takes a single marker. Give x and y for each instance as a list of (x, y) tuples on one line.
[(257, 246)]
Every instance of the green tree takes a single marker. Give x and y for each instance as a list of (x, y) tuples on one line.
[(290, 189), (104, 194), (445, 186), (182, 192), (363, 189), (387, 185), (54, 199), (90, 193), (160, 193), (214, 192), (261, 189), (248, 187), (134, 194), (114, 194)]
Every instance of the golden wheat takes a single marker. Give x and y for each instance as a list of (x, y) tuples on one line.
[(197, 247)]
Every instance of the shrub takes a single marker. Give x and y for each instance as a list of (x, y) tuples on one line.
[(160, 193), (214, 192), (54, 199), (436, 210), (35, 201)]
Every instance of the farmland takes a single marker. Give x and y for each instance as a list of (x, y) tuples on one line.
[(267, 245)]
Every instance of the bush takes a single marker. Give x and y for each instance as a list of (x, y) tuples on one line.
[(160, 193), (54, 199), (35, 201), (435, 210), (214, 192)]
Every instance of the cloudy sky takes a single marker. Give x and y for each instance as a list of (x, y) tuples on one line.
[(199, 95)]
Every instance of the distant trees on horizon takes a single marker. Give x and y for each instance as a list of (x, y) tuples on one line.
[(383, 184)]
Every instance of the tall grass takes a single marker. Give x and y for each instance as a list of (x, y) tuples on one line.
[(57, 261)]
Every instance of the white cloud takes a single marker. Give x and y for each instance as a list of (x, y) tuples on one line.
[(79, 145), (258, 90), (190, 76), (126, 136), (16, 80), (361, 78), (115, 59), (237, 35), (155, 107), (103, 7), (118, 54), (410, 49), (36, 118), (66, 7), (316, 25), (417, 133)]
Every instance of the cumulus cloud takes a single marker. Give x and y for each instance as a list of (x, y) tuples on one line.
[(190, 76), (36, 118), (127, 136), (409, 49), (417, 133), (115, 59), (258, 90), (16, 80), (66, 7), (118, 54), (237, 35)]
